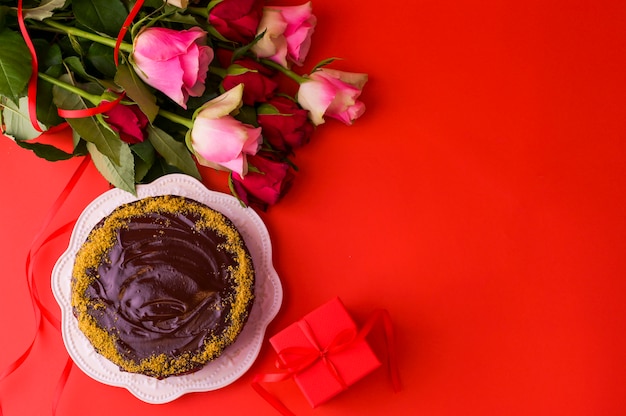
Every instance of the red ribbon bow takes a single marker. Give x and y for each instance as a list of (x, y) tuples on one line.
[(294, 360)]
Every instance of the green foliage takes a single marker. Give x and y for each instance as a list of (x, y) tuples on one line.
[(16, 122), (74, 43), (44, 10), (120, 174), (145, 156), (14, 58), (45, 151), (174, 152), (101, 16), (90, 129), (137, 90), (101, 58)]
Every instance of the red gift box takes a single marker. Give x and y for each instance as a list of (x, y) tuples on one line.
[(326, 353), (343, 365)]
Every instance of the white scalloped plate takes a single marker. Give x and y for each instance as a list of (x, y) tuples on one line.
[(237, 358)]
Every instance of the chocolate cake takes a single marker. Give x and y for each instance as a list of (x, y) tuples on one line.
[(162, 286)]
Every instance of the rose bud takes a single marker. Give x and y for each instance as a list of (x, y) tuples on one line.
[(285, 125), (129, 122), (332, 93), (265, 187), (256, 78), (236, 20), (288, 32), (220, 141)]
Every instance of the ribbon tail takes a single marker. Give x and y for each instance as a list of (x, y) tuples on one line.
[(392, 357), (120, 36), (61, 384), (269, 397), (382, 315), (38, 307), (32, 285), (32, 82)]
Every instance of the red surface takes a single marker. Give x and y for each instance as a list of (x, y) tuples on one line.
[(480, 200)]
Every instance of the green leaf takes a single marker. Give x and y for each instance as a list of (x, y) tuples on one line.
[(121, 175), (101, 16), (44, 10), (144, 150), (101, 57), (16, 121), (160, 168), (213, 3), (323, 63), (4, 10), (247, 115), (267, 109), (174, 152), (76, 66), (107, 142), (141, 169), (15, 65), (242, 51), (50, 55), (137, 91), (145, 157), (46, 110), (45, 151)]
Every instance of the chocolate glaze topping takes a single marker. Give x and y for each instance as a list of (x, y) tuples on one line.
[(165, 288)]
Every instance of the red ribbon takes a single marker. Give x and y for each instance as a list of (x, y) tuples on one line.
[(294, 360), (39, 308), (32, 82), (88, 112), (120, 36)]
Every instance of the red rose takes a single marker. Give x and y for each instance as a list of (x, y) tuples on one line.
[(285, 125), (129, 122), (237, 20), (256, 78), (265, 187)]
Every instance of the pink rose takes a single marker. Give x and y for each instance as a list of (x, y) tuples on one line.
[(220, 141), (288, 32), (236, 20), (285, 125), (332, 93), (265, 187), (256, 78), (174, 62), (129, 122)]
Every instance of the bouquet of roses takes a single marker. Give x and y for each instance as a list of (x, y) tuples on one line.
[(154, 87)]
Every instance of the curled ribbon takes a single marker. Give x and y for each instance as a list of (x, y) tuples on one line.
[(88, 112), (120, 36), (32, 82), (294, 360), (38, 307)]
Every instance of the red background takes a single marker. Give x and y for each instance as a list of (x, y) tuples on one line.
[(480, 199)]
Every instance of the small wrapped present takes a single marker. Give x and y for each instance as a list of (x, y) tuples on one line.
[(326, 353)]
